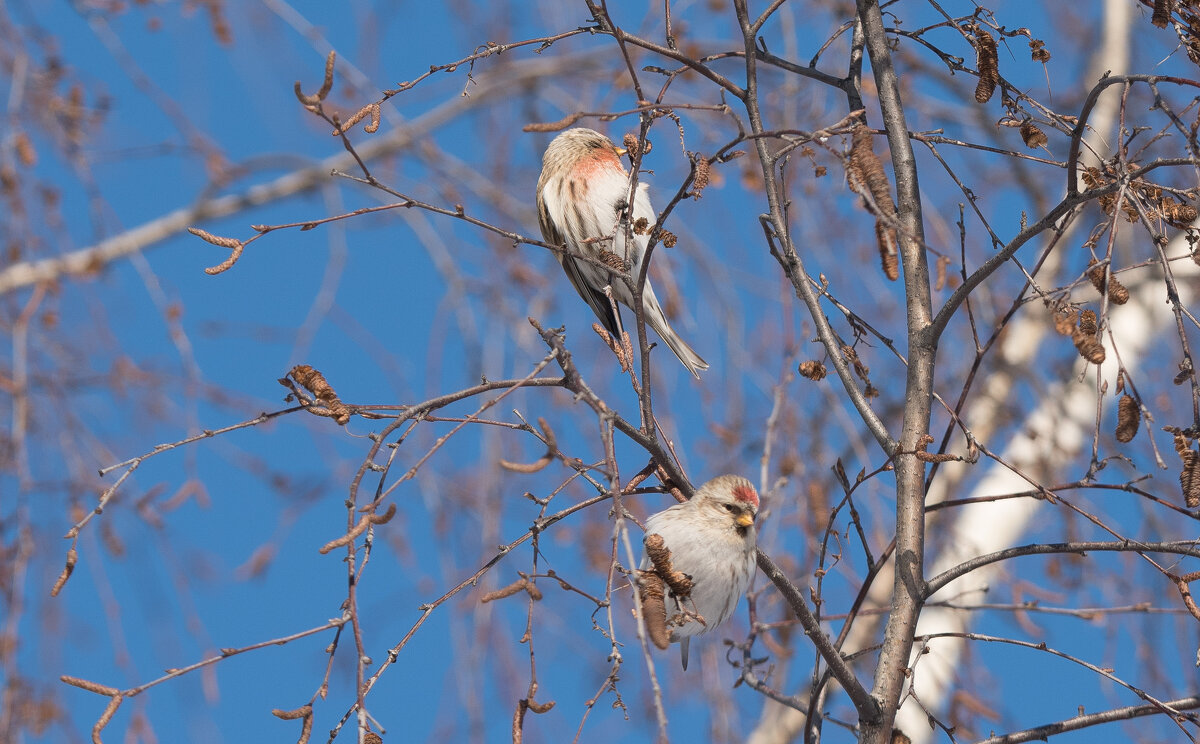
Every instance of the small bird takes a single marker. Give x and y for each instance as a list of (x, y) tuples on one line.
[(581, 195), (712, 541)]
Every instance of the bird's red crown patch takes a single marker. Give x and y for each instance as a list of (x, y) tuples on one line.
[(747, 494)]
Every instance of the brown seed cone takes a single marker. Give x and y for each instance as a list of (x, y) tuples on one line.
[(1189, 478), (654, 607), (1117, 293), (630, 141), (1089, 347), (813, 370), (1032, 135), (866, 171), (660, 556), (988, 63), (1087, 322), (313, 381), (1128, 418), (1178, 215), (700, 181), (612, 260), (885, 238), (867, 177), (1162, 13), (1038, 51), (1065, 321)]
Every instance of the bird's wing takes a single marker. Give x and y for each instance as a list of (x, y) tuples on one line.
[(576, 269), (595, 298)]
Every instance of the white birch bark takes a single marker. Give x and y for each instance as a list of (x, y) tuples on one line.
[(988, 527), (1061, 422)]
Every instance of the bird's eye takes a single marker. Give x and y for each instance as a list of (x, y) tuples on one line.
[(730, 508)]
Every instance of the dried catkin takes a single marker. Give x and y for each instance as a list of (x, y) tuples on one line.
[(1162, 13), (1038, 51), (660, 557), (1085, 340), (988, 62), (1127, 418), (1087, 322), (654, 608), (1189, 478), (813, 370), (1178, 215), (611, 260), (1090, 348), (1032, 135), (700, 180), (867, 177), (1117, 293), (1065, 320)]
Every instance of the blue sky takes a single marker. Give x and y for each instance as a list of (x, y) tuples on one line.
[(366, 301)]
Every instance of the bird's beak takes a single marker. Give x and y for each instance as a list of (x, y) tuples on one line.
[(745, 519), (621, 151)]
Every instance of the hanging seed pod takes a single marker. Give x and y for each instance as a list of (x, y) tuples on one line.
[(1189, 478), (611, 260), (680, 584), (1178, 215), (889, 257), (1037, 51), (1189, 474), (867, 177), (940, 272), (867, 170), (700, 181), (314, 382), (654, 608), (26, 153), (988, 62), (1032, 135), (1065, 321), (513, 588), (1117, 293), (1087, 322), (1090, 348), (1084, 337), (813, 370), (630, 141), (1127, 418), (1162, 13)]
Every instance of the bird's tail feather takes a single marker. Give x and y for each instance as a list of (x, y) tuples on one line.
[(657, 320)]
